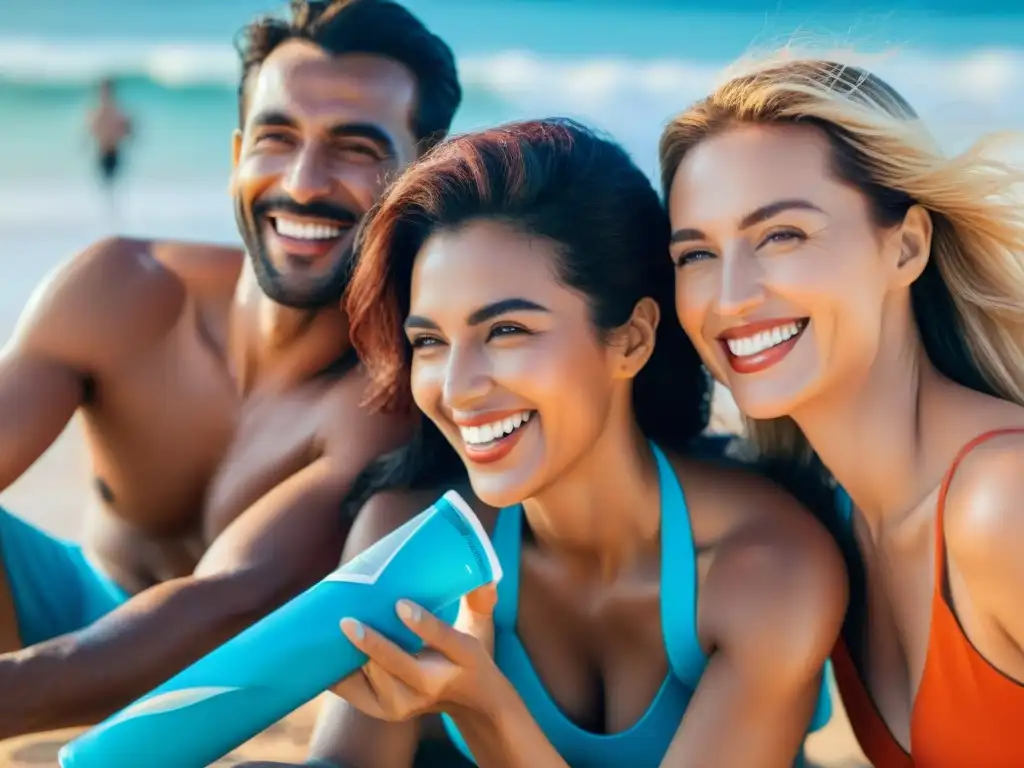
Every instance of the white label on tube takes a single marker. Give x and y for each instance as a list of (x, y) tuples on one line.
[(171, 700), (368, 565)]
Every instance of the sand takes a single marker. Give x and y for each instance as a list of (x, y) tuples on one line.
[(50, 496), (285, 742)]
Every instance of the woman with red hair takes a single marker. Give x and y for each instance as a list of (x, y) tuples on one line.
[(658, 608)]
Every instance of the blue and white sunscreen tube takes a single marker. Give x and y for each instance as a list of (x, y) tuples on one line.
[(295, 653)]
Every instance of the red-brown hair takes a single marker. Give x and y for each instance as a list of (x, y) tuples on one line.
[(396, 227), (553, 179)]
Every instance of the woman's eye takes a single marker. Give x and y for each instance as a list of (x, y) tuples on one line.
[(506, 329), (783, 236), (690, 256), (424, 341)]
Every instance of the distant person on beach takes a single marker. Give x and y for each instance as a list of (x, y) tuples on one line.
[(221, 399), (110, 127)]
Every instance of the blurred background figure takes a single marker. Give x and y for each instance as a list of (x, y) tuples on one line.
[(110, 127)]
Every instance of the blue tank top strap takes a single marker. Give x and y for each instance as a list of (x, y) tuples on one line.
[(844, 505), (678, 579), (507, 540)]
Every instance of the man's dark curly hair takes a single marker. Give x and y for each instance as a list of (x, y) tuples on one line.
[(377, 27)]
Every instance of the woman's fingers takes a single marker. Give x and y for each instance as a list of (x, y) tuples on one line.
[(388, 656), (357, 690), (447, 640), (401, 684), (398, 700), (481, 601), (375, 690), (476, 616)]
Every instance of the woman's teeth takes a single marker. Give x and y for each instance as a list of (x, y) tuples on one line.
[(298, 230), (745, 346), (488, 433)]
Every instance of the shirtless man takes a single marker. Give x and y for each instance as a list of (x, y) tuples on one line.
[(218, 391)]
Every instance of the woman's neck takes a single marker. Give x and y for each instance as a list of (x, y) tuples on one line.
[(606, 509), (868, 432)]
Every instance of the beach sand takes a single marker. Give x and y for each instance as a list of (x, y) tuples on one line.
[(285, 742)]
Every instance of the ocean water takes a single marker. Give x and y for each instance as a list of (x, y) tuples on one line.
[(625, 66)]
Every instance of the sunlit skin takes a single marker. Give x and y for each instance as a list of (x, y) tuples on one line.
[(227, 433), (507, 338), (859, 385), (494, 331), (771, 237), (322, 137)]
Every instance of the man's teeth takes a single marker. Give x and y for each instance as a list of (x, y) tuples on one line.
[(303, 231), (759, 342), (488, 433)]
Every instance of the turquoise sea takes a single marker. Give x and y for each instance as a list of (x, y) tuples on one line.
[(624, 65)]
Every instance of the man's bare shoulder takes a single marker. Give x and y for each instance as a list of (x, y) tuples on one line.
[(202, 265), (114, 298), (347, 417), (106, 299), (124, 272)]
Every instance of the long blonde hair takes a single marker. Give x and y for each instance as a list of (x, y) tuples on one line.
[(969, 302)]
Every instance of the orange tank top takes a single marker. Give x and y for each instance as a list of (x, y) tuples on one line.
[(967, 713)]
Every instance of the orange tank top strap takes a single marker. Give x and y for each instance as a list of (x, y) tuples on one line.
[(966, 711), (873, 735), (940, 510)]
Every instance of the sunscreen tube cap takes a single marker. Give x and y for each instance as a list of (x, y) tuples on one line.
[(466, 513)]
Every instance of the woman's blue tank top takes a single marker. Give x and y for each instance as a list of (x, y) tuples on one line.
[(646, 741)]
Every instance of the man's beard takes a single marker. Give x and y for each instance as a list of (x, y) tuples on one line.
[(296, 292)]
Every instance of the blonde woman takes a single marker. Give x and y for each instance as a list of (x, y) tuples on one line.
[(862, 295)]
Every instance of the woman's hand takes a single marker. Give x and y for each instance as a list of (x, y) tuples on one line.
[(454, 672)]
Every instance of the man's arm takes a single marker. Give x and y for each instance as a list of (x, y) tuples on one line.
[(282, 544), (72, 329), (344, 736), (39, 394)]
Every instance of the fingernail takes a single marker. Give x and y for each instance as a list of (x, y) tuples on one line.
[(408, 611), (354, 627)]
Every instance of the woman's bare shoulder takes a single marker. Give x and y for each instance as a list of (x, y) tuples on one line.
[(772, 574), (725, 498), (387, 510)]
